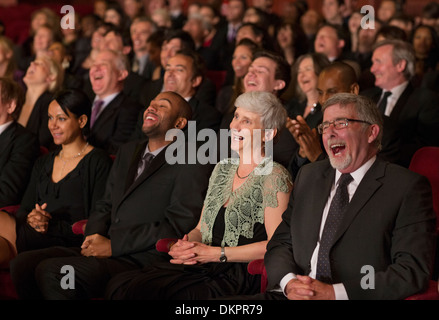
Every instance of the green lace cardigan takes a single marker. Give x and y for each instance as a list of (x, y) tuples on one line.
[(247, 203)]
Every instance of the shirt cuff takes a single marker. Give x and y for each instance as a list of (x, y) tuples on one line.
[(339, 289)]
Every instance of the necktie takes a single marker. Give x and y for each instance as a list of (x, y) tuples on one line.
[(231, 35), (136, 66), (383, 102), (335, 215), (97, 106), (144, 163)]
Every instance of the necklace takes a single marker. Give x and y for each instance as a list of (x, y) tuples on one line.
[(71, 158), (240, 176)]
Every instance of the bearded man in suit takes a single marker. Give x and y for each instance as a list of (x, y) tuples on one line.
[(384, 219)]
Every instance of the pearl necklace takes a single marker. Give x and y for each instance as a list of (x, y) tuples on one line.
[(71, 158)]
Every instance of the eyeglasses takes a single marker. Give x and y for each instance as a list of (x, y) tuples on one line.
[(338, 124)]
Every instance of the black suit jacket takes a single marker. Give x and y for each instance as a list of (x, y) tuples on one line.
[(115, 124), (18, 151), (389, 224), (416, 117), (165, 201), (39, 119)]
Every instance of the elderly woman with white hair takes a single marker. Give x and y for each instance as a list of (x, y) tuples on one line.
[(242, 209)]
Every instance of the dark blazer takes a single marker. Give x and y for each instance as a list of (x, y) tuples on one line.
[(389, 225), (18, 151), (39, 119), (416, 117), (165, 201), (115, 124)]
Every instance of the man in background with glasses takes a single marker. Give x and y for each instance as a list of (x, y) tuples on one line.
[(350, 213)]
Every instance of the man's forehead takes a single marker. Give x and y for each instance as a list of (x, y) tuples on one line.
[(264, 62)]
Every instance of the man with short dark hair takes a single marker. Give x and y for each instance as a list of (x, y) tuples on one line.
[(146, 199)]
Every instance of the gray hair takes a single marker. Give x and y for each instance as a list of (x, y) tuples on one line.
[(267, 105), (365, 108), (401, 50)]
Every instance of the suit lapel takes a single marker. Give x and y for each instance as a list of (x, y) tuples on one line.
[(5, 137), (321, 191), (132, 170), (399, 106), (366, 189), (156, 163), (107, 113)]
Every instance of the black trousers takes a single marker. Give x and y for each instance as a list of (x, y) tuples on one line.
[(37, 274)]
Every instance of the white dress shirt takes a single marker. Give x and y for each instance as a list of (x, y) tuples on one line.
[(393, 98), (4, 126), (340, 291)]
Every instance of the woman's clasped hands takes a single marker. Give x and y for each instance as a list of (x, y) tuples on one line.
[(39, 218), (191, 253)]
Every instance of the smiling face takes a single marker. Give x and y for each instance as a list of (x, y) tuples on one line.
[(140, 32), (65, 128), (179, 74), (350, 147), (327, 42), (246, 131), (161, 115), (242, 58), (38, 73), (306, 76), (387, 75), (261, 76), (105, 77)]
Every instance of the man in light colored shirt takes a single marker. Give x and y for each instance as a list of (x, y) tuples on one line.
[(413, 110)]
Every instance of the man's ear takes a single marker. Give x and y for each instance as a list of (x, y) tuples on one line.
[(11, 107), (181, 123), (401, 65), (122, 75), (355, 88), (197, 81), (374, 131), (126, 50), (269, 134), (279, 85), (341, 44)]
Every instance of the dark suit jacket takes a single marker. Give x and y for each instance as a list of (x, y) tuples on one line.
[(165, 201), (115, 124), (38, 121), (416, 116), (389, 225), (18, 150)]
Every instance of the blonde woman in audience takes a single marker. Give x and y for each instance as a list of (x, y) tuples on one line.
[(43, 78)]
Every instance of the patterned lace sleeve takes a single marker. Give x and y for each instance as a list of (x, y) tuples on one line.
[(278, 181)]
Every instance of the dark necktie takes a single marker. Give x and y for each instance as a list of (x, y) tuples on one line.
[(97, 106), (144, 163), (383, 102), (335, 215)]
